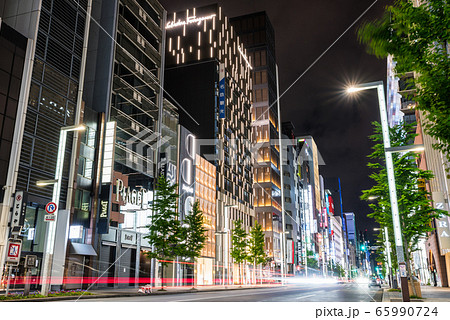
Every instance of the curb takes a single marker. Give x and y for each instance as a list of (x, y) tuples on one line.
[(117, 295), (386, 297)]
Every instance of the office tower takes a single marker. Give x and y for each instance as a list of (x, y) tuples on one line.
[(125, 63), (257, 34), (53, 80), (308, 160), (207, 77)]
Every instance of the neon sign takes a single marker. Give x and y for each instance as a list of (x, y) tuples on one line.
[(189, 20)]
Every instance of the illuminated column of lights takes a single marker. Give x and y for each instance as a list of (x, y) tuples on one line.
[(51, 229)]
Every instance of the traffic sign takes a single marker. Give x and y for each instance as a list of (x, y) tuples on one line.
[(50, 207), (14, 249), (50, 217)]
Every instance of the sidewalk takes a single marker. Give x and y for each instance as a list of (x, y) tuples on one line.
[(429, 294), (131, 292)]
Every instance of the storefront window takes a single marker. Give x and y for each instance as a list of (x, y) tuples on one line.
[(34, 230)]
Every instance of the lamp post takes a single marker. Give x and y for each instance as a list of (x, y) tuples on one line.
[(391, 181), (51, 228)]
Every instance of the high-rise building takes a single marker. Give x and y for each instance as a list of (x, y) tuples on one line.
[(336, 241), (50, 99), (257, 34), (291, 205), (103, 72), (13, 48), (309, 159), (207, 77), (125, 63)]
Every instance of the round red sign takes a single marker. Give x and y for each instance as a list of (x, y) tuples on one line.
[(50, 207)]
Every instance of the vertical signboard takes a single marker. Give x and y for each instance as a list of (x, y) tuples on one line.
[(442, 224), (186, 171), (108, 155), (221, 91), (104, 202), (19, 208), (290, 251)]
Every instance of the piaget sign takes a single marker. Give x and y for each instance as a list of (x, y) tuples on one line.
[(131, 196)]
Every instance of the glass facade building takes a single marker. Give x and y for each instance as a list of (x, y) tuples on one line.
[(257, 34)]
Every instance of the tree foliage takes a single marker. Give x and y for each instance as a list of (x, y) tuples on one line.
[(194, 232), (239, 245), (239, 242), (165, 233), (312, 261), (418, 38), (415, 210), (256, 254)]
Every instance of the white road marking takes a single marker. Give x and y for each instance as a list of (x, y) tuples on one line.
[(310, 295), (256, 292)]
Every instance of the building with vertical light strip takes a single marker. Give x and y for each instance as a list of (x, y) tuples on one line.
[(258, 36), (208, 76), (125, 63)]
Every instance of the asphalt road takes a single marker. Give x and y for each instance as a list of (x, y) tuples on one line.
[(346, 292)]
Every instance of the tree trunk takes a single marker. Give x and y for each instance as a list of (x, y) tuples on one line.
[(408, 265), (162, 276), (254, 272)]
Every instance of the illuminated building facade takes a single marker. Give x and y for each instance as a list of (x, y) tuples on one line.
[(257, 34), (205, 193), (308, 160), (208, 78)]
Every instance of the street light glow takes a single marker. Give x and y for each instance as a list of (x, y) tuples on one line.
[(352, 89), (42, 183)]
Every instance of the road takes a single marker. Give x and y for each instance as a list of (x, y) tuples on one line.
[(347, 292)]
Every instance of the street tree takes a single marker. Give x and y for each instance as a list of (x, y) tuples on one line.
[(256, 254), (239, 245), (418, 38), (311, 260), (194, 233), (415, 210), (165, 232)]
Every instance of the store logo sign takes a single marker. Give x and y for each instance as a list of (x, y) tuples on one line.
[(189, 20), (130, 196)]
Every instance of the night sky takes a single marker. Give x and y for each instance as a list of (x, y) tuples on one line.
[(316, 104)]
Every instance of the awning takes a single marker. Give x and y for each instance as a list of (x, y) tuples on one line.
[(82, 249)]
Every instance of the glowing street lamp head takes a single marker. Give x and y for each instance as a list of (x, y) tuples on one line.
[(352, 89)]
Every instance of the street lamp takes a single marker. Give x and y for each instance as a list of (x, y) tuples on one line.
[(391, 180), (51, 229)]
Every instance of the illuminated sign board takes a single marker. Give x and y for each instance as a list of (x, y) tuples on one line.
[(108, 155), (189, 20), (131, 196), (186, 171), (222, 91), (104, 209)]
